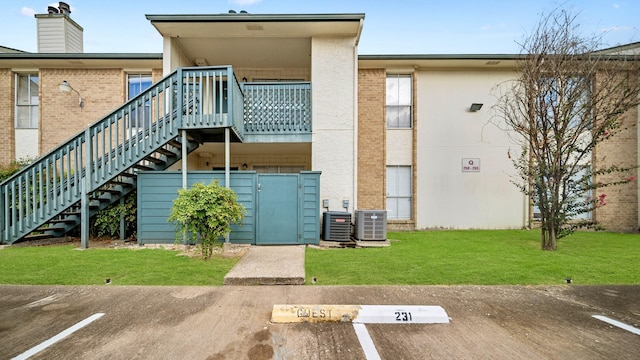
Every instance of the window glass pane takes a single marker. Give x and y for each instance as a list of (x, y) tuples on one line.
[(404, 181), (22, 116), (399, 99), (392, 91), (33, 122), (33, 88), (404, 117), (392, 116), (399, 192), (26, 101), (392, 181), (23, 90), (404, 90), (392, 208), (404, 208), (137, 84)]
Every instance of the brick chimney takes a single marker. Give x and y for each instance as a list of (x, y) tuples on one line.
[(57, 32)]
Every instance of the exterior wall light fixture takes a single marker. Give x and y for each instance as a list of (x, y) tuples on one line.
[(66, 88), (475, 107)]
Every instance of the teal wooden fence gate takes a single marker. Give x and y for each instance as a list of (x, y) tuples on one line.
[(282, 209)]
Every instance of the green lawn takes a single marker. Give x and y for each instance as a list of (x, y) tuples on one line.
[(66, 265), (481, 258), (432, 257)]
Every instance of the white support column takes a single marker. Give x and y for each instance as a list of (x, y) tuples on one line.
[(184, 170), (227, 160), (84, 200), (227, 166), (184, 159)]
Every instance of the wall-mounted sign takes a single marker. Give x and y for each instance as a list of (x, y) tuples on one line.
[(470, 165)]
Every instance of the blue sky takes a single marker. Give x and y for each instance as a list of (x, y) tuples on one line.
[(390, 27)]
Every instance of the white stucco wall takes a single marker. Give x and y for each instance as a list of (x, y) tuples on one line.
[(447, 197), (334, 80), (26, 143), (173, 56)]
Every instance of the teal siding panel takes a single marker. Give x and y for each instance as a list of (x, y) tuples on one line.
[(157, 190), (309, 212)]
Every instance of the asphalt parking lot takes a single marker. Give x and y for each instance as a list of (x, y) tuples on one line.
[(233, 322)]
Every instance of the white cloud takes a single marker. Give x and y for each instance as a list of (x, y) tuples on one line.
[(618, 28), (244, 2), (26, 11)]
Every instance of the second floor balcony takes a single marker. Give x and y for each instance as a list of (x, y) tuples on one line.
[(212, 98)]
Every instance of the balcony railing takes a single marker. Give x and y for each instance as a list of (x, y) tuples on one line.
[(277, 108)]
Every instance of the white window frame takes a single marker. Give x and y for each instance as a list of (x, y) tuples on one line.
[(396, 195), (398, 101), (30, 105)]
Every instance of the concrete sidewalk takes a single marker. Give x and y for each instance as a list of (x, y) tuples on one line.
[(269, 265)]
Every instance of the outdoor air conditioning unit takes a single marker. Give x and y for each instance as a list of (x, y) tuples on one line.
[(371, 225), (336, 226)]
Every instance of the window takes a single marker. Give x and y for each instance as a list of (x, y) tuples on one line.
[(399, 192), (27, 101), (136, 84), (578, 191), (399, 101)]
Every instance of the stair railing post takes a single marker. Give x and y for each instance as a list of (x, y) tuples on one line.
[(86, 186)]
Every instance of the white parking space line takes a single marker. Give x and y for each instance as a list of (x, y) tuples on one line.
[(366, 342), (619, 324), (36, 349)]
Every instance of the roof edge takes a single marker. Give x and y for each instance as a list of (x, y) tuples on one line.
[(442, 57), (85, 56), (238, 17)]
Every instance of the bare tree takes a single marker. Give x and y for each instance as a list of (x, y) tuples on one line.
[(568, 97)]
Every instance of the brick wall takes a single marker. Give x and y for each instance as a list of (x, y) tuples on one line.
[(621, 210), (371, 139), (7, 134), (101, 89), (156, 75)]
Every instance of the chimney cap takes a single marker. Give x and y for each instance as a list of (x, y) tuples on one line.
[(64, 8), (52, 10)]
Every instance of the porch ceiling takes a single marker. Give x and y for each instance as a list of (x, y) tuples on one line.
[(249, 52), (254, 40)]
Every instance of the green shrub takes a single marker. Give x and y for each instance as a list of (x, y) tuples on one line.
[(107, 221), (7, 170), (205, 212)]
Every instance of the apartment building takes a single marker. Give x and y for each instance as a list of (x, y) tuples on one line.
[(279, 107)]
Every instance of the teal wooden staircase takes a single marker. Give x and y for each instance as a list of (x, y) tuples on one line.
[(64, 188)]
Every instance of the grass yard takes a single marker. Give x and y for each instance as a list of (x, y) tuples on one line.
[(66, 265), (481, 258)]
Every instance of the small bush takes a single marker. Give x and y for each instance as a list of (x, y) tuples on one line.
[(107, 221), (7, 170), (205, 212)]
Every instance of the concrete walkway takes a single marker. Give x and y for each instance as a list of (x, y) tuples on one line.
[(269, 265)]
